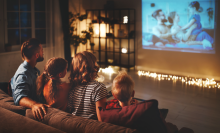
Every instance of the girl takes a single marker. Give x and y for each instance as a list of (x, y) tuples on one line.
[(86, 94), (49, 85), (194, 9)]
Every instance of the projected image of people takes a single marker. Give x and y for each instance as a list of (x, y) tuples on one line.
[(186, 26)]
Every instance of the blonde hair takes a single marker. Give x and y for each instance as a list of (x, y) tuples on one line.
[(123, 86)]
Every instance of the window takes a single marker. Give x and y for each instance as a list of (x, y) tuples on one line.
[(25, 19)]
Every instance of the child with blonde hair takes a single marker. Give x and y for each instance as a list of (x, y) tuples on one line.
[(123, 91)]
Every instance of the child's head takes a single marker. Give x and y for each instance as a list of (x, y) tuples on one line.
[(84, 68), (194, 6), (173, 17), (123, 87), (56, 67)]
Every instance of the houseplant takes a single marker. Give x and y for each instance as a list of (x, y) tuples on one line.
[(75, 39)]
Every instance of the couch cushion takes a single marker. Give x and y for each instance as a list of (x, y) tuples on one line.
[(7, 102), (14, 123), (144, 116), (70, 123)]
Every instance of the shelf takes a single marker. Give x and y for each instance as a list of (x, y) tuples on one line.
[(114, 37), (110, 47), (114, 64), (114, 23)]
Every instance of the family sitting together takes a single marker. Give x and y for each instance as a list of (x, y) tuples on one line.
[(191, 33), (83, 96)]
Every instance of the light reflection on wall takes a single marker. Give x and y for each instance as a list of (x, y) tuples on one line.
[(208, 83)]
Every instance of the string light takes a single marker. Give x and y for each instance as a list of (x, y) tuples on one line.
[(208, 83)]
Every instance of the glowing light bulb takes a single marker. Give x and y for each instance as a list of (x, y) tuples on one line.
[(124, 50), (97, 31), (125, 19)]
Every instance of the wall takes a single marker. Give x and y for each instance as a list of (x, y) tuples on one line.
[(54, 46), (11, 60), (176, 63)]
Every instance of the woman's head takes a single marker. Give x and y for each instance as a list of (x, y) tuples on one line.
[(194, 6), (56, 67), (84, 68), (173, 17)]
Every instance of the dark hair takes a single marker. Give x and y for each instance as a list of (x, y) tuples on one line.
[(155, 13), (53, 67), (196, 5), (29, 48), (84, 69), (171, 16)]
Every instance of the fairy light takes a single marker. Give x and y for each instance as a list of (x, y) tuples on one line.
[(208, 83)]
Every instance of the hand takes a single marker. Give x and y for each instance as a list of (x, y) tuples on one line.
[(171, 128), (39, 111)]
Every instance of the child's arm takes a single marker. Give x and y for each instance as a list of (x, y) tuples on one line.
[(188, 33), (189, 24), (100, 103)]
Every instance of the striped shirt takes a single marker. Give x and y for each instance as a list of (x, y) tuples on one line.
[(82, 99)]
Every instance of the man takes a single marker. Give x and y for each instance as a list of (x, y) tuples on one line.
[(23, 83), (161, 30)]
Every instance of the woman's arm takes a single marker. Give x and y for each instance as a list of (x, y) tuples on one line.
[(100, 103), (189, 24)]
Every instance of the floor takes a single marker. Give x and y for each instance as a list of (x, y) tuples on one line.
[(191, 106)]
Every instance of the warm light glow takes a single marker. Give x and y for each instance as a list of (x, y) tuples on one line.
[(97, 31), (125, 19), (110, 60), (108, 70), (209, 83), (100, 29), (124, 50)]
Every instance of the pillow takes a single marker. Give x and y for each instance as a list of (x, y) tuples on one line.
[(144, 116), (7, 102)]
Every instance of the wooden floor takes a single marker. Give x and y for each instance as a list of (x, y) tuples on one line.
[(189, 106)]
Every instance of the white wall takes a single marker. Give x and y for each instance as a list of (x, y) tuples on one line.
[(177, 63), (9, 62)]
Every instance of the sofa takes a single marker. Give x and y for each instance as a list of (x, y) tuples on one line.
[(16, 119)]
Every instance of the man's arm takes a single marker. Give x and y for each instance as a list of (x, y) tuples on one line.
[(38, 109), (20, 95)]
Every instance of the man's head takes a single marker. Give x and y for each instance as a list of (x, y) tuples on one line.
[(32, 49), (159, 15), (123, 87)]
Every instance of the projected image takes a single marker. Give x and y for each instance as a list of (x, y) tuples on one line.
[(179, 25)]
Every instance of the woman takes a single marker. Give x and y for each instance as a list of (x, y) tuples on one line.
[(86, 94)]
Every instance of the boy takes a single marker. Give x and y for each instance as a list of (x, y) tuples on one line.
[(123, 91)]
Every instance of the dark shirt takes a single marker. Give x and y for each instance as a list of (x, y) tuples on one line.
[(114, 103), (23, 83)]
